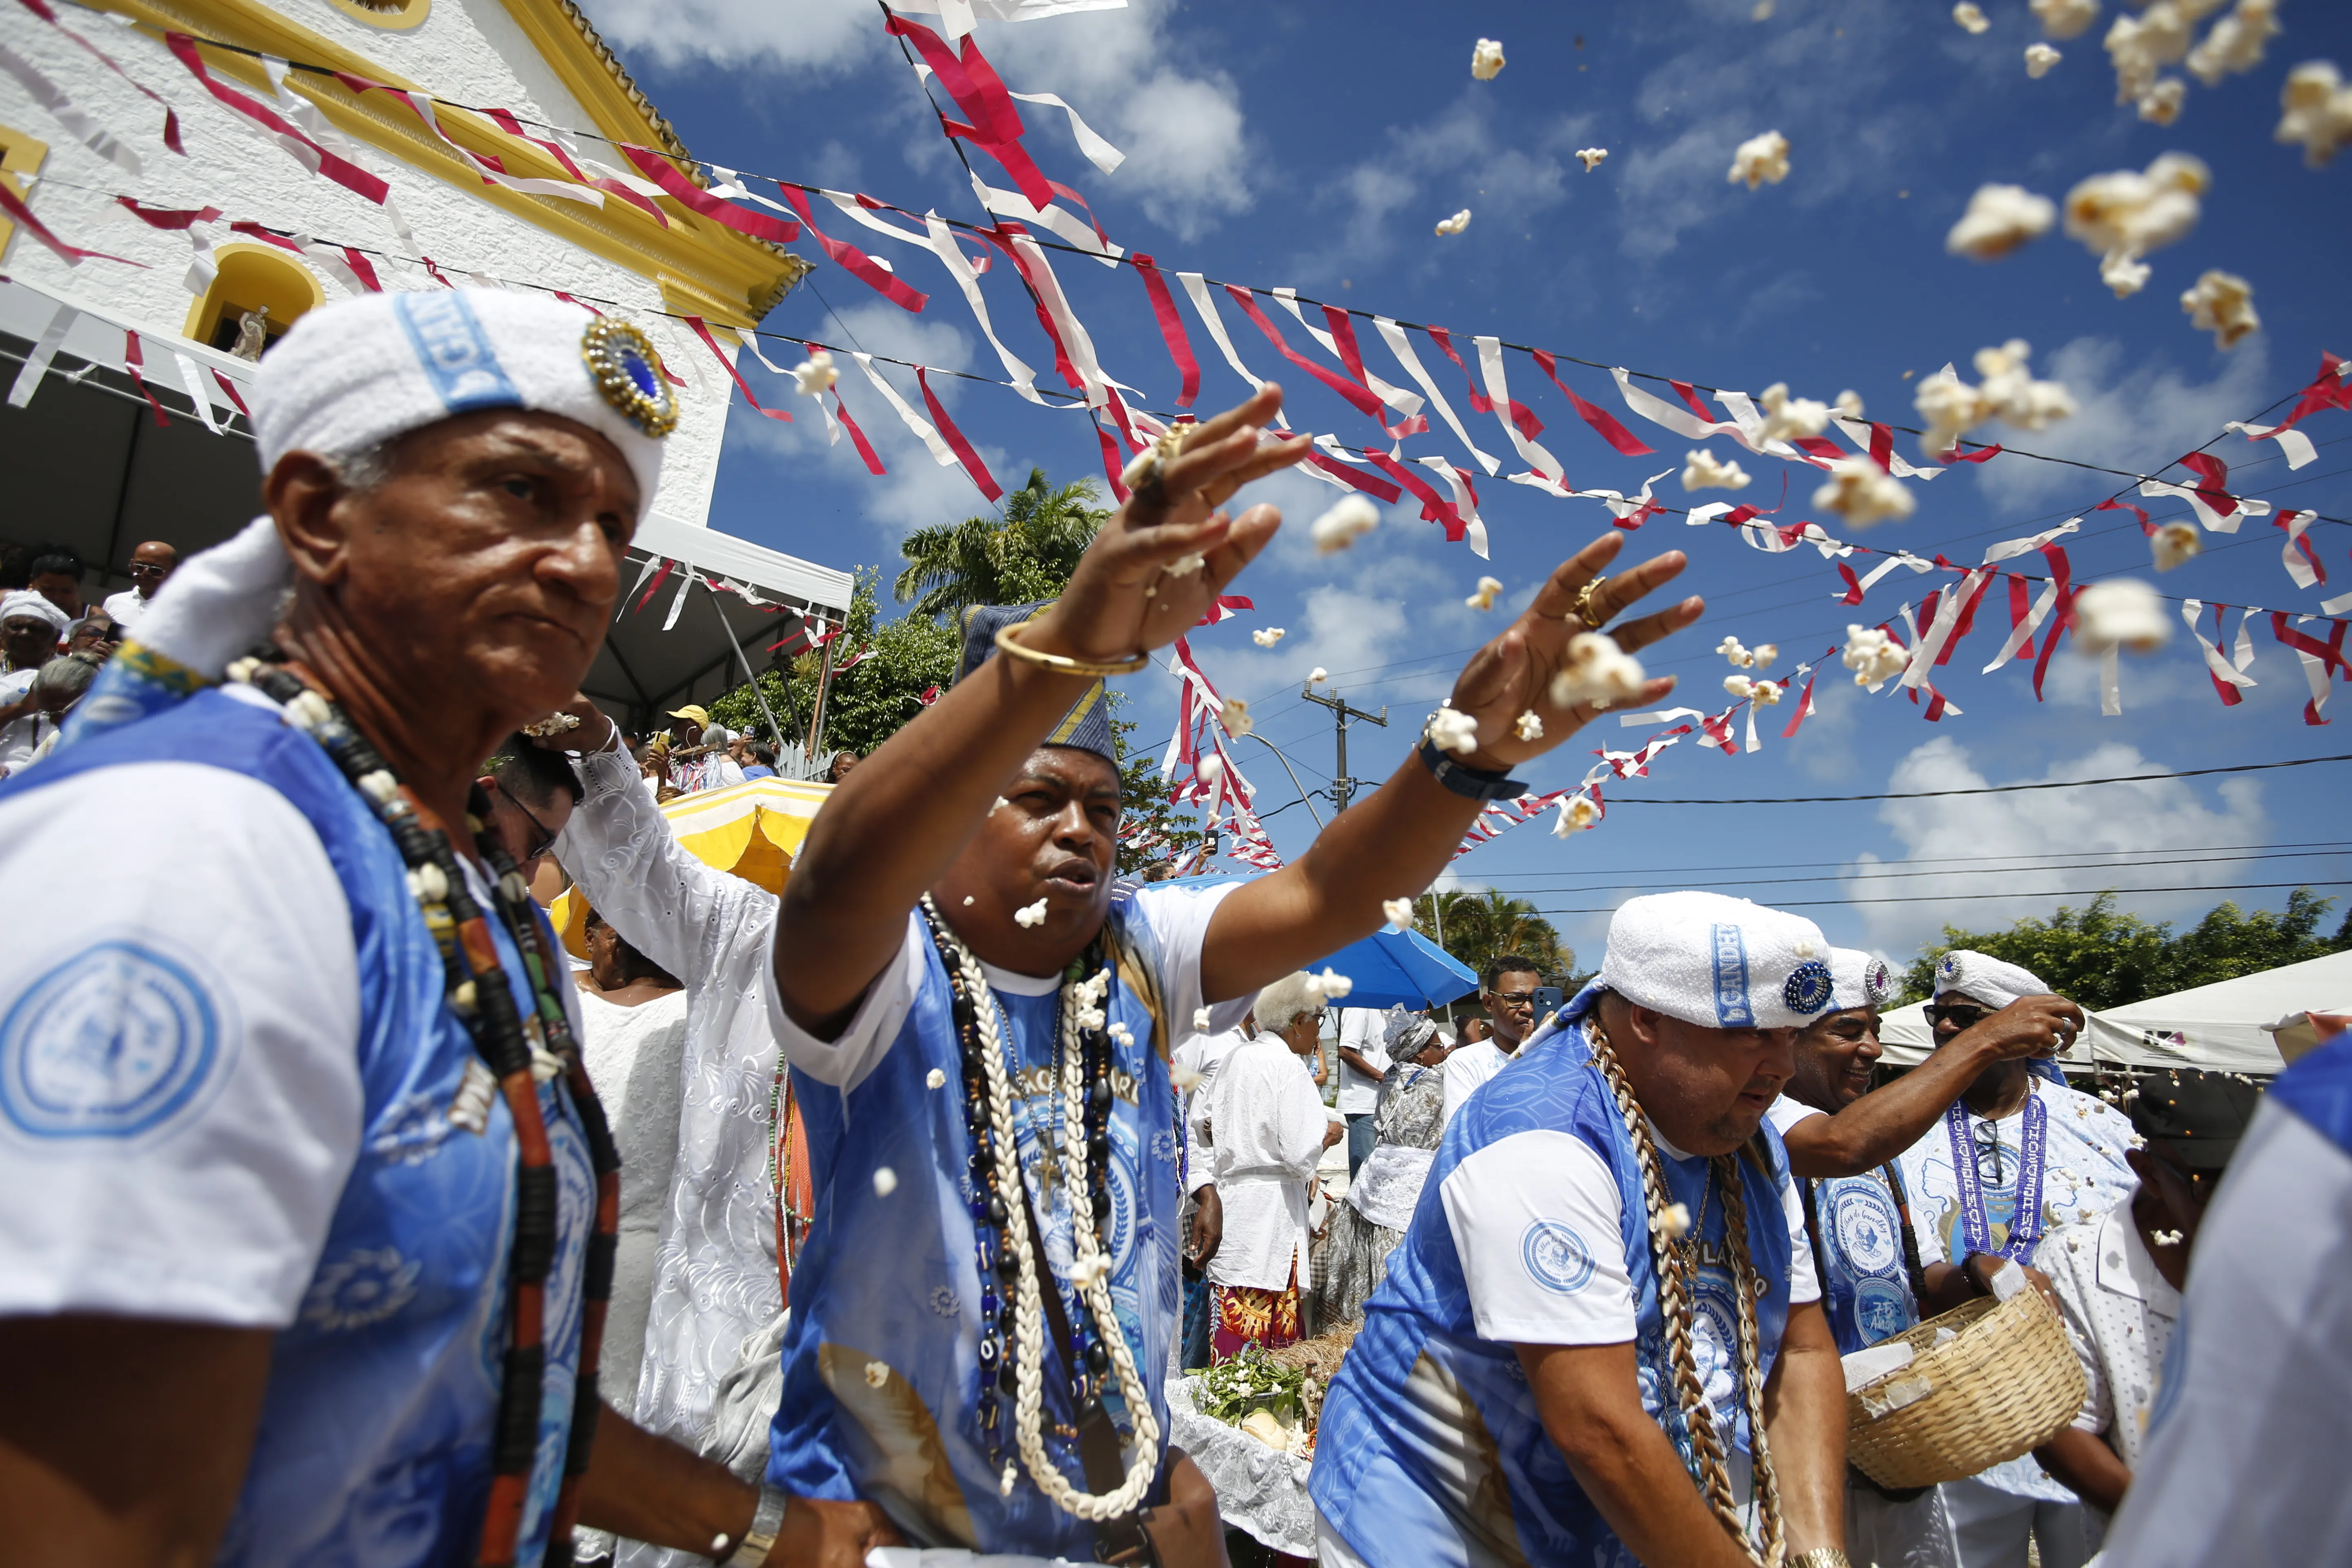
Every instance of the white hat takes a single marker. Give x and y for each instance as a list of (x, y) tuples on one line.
[(1717, 961), (353, 375), (1980, 977), (23, 604), (1859, 980)]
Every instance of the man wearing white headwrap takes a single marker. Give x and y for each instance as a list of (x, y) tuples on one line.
[(1605, 1289), (2014, 1156), (299, 1171), (31, 630)]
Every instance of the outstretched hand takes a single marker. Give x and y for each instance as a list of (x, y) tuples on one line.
[(1513, 674), (1138, 587)]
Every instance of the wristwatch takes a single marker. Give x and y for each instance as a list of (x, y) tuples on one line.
[(1471, 783), (750, 1551)]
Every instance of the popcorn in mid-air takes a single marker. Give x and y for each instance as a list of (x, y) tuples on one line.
[(1862, 493), (1451, 729), (1030, 914), (1764, 654), (2123, 273), (1848, 405), (2064, 18), (2222, 303), (2140, 45), (1736, 651), (1486, 59), (1266, 636), (1951, 406), (1591, 157), (1528, 726), (815, 374), (2039, 58), (2174, 544), (1760, 160), (2000, 218), (1786, 416), (1702, 472), (1455, 224), (1873, 655), (1201, 1020), (2160, 104), (1577, 814), (885, 1180), (1318, 676), (1766, 692), (2120, 218), (1970, 16), (2121, 612), (935, 1078), (1675, 1219), (1235, 715), (1399, 911), (1596, 670), (2235, 42), (1331, 985), (2318, 111), (1209, 769), (1484, 599), (1739, 685), (1347, 521)]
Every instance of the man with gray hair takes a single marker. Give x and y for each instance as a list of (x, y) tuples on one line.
[(1265, 1129)]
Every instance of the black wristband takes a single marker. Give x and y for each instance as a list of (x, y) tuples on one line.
[(1471, 783)]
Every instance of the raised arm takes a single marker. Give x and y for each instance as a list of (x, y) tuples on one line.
[(1397, 841), (894, 827), (1890, 1119)]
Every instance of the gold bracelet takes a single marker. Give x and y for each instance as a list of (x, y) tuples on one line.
[(1821, 1557), (1059, 664)]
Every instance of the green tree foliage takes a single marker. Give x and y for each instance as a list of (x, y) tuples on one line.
[(868, 701), (1025, 555), (2102, 959), (1146, 812), (1482, 927)]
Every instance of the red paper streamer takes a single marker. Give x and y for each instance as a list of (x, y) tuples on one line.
[(1111, 465), (1359, 398), (682, 190), (2216, 475), (1805, 703), (342, 171), (133, 361), (2062, 615), (1434, 508), (1172, 327), (865, 447), (854, 261), (703, 332), (1479, 402), (1377, 488), (660, 577), (71, 255), (956, 443), (2138, 512), (1604, 424), (171, 116)]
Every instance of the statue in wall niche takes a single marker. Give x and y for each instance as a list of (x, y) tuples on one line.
[(252, 334)]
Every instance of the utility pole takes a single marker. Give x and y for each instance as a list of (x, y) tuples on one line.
[(1343, 787)]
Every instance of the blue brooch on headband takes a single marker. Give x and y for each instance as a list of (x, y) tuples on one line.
[(1949, 969), (626, 368), (1807, 990), (1878, 982)]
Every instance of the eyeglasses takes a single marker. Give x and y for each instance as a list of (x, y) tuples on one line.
[(141, 569), (1965, 1016), (546, 839), (1512, 998)]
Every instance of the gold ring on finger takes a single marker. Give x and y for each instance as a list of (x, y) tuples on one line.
[(1585, 610)]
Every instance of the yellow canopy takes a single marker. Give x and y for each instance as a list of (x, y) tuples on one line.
[(752, 829)]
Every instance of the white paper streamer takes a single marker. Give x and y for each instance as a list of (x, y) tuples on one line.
[(1939, 631), (1062, 221), (2314, 674), (1099, 153), (2111, 691), (1401, 347), (2025, 628), (36, 364), (2213, 520), (1464, 502), (2294, 443), (1858, 432), (941, 241), (1196, 289), (2290, 556), (678, 601), (1075, 340), (193, 380), (1499, 388), (2232, 672), (940, 454), (66, 112), (1396, 398)]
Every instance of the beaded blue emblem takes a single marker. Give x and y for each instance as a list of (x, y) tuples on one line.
[(626, 368), (1806, 989)]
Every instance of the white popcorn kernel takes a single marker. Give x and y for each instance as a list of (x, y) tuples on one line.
[(2065, 18), (1398, 913), (1185, 1079), (885, 1180), (1848, 405), (1528, 726), (2120, 612), (2235, 43), (2133, 214), (1346, 522), (1767, 693), (2000, 218), (1185, 565), (815, 374), (1760, 160), (1030, 914), (1486, 59), (1268, 637), (1318, 676), (2013, 396), (2139, 44), (2039, 58), (1596, 670), (1591, 157), (1766, 655), (1484, 599), (2318, 111), (935, 1078), (1761, 11), (1210, 769), (2160, 104), (1736, 651), (1786, 416), (2174, 544), (1085, 1271), (1739, 685), (877, 1373), (1235, 715), (2123, 273), (1005, 1481), (1201, 1020), (1331, 985), (967, 901), (2164, 1238), (1675, 1219), (1970, 16), (1123, 1034), (1001, 804), (1702, 472), (1873, 655), (1862, 493), (2222, 303), (1577, 814), (1455, 224), (1451, 729)]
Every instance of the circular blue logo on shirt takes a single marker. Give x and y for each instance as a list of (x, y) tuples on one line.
[(111, 1043), (1556, 1258), (1880, 1309), (1864, 1222)]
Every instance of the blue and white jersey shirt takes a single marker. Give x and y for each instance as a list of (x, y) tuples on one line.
[(225, 1097), (1532, 1229), (1866, 1290), (882, 1375)]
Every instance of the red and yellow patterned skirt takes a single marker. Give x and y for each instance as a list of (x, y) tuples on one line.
[(1247, 1315)]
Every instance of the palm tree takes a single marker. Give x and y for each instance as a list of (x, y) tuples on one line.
[(1028, 553), (1484, 926)]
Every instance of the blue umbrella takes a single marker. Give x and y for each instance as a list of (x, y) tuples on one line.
[(1389, 967)]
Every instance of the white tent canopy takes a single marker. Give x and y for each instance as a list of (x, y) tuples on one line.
[(2220, 1028)]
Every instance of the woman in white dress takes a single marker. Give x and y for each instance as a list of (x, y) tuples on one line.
[(1407, 1118)]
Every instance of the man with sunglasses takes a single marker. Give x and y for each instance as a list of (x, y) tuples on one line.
[(2018, 1154), (1509, 994), (150, 566)]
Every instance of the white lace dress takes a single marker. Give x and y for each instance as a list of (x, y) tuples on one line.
[(1408, 1118)]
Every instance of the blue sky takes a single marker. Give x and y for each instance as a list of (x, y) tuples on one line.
[(1315, 146)]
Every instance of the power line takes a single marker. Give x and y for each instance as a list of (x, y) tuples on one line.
[(1951, 898), (1873, 875), (1983, 789), (2259, 851)]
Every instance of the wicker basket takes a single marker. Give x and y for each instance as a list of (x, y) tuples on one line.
[(2008, 1383)]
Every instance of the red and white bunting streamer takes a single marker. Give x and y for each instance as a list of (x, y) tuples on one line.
[(1401, 347), (1519, 421), (702, 330), (1604, 424), (940, 240), (2215, 507), (45, 351), (1196, 289), (674, 185), (2229, 674), (2331, 389), (942, 453), (86, 127), (1099, 151), (134, 366), (1171, 329), (170, 117), (2319, 659), (298, 145), (2301, 560), (973, 466), (491, 170)]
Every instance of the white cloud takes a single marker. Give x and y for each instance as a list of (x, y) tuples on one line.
[(2113, 823), (818, 37)]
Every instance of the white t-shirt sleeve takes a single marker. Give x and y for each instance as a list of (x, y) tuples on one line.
[(846, 1059), (1537, 1220), (180, 1101), (1805, 1280), (1179, 919), (1784, 1113)]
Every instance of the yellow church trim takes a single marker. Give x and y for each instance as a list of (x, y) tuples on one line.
[(20, 153), (701, 266)]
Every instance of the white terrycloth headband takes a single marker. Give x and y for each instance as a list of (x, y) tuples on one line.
[(23, 604), (1859, 980), (1981, 977), (1717, 961)]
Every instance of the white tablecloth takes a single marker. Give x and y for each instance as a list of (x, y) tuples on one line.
[(1259, 1488)]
